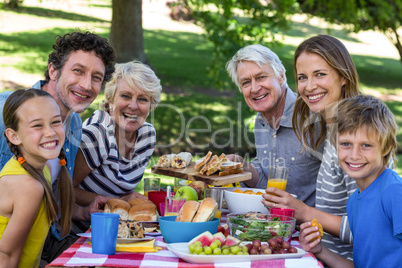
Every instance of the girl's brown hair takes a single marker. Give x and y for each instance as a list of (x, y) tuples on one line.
[(64, 186), (337, 56)]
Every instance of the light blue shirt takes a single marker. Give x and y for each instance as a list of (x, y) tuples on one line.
[(280, 147)]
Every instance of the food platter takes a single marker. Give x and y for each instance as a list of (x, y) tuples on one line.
[(190, 173), (121, 240), (181, 250)]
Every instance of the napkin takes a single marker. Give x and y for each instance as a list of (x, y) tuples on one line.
[(146, 246)]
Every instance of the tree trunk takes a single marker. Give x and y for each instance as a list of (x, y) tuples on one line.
[(126, 34)]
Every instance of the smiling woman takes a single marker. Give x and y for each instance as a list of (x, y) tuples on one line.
[(117, 143)]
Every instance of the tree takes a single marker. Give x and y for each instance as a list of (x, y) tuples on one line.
[(13, 3), (232, 24), (356, 15), (126, 33)]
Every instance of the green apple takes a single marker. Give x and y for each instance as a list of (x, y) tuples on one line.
[(187, 192)]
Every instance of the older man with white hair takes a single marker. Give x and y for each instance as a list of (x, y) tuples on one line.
[(260, 76)]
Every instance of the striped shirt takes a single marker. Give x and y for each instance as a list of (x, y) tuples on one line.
[(112, 174), (332, 192)]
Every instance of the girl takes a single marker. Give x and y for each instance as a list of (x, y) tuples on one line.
[(35, 134)]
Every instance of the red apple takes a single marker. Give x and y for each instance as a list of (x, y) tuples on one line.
[(199, 186)]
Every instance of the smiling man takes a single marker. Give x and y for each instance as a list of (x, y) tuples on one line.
[(260, 76), (80, 63)]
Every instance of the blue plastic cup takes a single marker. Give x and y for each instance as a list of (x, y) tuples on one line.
[(104, 227)]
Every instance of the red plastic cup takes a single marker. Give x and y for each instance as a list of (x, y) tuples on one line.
[(158, 197), (290, 212)]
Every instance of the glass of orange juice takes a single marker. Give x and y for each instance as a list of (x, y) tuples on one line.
[(216, 194), (151, 184), (278, 177), (173, 205), (178, 183)]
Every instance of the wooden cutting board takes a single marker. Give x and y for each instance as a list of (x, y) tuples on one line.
[(190, 173)]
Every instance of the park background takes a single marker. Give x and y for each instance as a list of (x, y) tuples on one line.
[(194, 115)]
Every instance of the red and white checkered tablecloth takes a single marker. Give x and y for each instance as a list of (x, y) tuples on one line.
[(80, 255)]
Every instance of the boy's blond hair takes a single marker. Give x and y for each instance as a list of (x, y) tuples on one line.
[(370, 112)]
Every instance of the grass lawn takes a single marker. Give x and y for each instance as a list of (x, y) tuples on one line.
[(193, 115)]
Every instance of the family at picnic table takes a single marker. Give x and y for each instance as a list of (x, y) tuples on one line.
[(338, 144)]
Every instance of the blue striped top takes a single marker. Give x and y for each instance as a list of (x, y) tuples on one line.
[(112, 174)]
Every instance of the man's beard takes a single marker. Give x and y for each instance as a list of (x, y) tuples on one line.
[(63, 99)]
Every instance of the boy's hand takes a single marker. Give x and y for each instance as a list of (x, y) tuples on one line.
[(310, 238)]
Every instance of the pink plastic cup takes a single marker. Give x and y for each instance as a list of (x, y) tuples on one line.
[(162, 209), (290, 212)]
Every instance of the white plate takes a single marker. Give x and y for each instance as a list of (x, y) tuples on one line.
[(121, 240), (181, 250)]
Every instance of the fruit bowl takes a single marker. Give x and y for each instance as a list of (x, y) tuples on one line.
[(251, 226), (176, 232), (244, 202)]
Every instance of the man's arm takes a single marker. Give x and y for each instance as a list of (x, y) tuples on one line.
[(81, 171)]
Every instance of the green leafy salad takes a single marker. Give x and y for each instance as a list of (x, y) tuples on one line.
[(253, 228)]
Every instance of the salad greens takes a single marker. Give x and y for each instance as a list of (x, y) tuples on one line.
[(250, 229)]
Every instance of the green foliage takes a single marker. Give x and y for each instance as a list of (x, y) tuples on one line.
[(361, 15), (358, 15), (231, 25)]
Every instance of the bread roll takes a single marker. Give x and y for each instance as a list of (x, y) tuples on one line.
[(206, 211), (188, 211), (143, 212), (139, 201), (117, 206)]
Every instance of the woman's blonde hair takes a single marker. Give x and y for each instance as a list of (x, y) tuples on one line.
[(337, 56), (137, 75), (64, 185)]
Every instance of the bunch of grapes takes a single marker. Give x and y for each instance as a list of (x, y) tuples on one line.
[(216, 249), (274, 246)]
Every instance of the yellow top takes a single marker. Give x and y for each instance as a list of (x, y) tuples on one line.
[(32, 250)]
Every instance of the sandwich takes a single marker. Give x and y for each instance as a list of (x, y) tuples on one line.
[(210, 163), (117, 206), (182, 160), (165, 161), (206, 211), (215, 166), (188, 211), (203, 161), (229, 167)]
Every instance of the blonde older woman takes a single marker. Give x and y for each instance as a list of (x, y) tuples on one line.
[(117, 142)]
